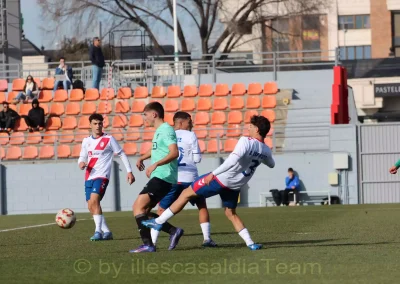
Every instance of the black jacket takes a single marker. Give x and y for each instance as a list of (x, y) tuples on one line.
[(10, 113), (36, 114), (96, 56)]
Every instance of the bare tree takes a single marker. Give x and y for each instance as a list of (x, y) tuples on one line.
[(219, 25)]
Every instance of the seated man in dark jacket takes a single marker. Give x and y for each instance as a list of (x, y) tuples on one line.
[(35, 118), (8, 117)]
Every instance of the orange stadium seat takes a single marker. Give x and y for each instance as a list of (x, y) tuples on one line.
[(76, 95), (201, 118), (268, 142), (138, 106), (24, 109), (17, 138), (269, 114), (230, 144), (106, 121), (56, 109), (50, 137), (2, 97), (53, 123), (2, 153), (34, 138), (204, 104), (122, 107), (253, 102), (235, 117), (249, 114), (4, 85), (69, 123), (38, 82), (4, 138), (107, 94), (11, 96), (270, 88), (45, 107), (45, 96), (48, 83), (73, 109), (269, 102), (30, 152), (190, 91), (119, 121), (188, 105), (130, 148), (212, 146), (169, 117), (63, 151), (118, 134), (104, 108), (201, 131), (18, 84), (202, 146), (148, 133), (141, 93), (174, 92), (237, 103), (216, 131), (80, 135), (171, 105), (271, 131), (221, 90), (84, 122), (13, 107), (133, 134), (234, 130), (158, 92), (67, 136), (220, 104), (13, 153), (46, 152), (136, 120), (60, 96), (206, 90), (238, 89), (145, 147), (92, 94), (255, 89), (124, 93), (20, 125), (76, 150), (218, 117)]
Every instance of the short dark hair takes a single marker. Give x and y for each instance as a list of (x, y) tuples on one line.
[(262, 124), (157, 107), (96, 116), (181, 115), (290, 170), (62, 57), (5, 103)]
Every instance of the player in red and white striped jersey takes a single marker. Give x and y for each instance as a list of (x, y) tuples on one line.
[(96, 156)]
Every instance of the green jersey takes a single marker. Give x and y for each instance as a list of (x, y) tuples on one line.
[(164, 136)]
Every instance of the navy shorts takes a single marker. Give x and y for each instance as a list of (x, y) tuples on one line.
[(229, 197), (174, 193), (97, 186)]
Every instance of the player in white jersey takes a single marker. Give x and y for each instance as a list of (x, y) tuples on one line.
[(228, 179), (96, 156), (189, 156)]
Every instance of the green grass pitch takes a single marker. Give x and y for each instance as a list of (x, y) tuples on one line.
[(310, 244)]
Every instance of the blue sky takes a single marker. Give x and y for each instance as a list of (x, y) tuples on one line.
[(32, 24)]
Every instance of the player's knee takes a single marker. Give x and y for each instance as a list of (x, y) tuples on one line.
[(188, 193)]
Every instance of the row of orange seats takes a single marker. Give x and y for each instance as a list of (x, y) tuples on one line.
[(130, 148)]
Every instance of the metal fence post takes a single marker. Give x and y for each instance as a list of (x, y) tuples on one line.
[(274, 64), (273, 142), (214, 69), (337, 56), (218, 148), (2, 191)]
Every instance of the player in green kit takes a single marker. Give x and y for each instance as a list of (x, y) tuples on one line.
[(163, 172)]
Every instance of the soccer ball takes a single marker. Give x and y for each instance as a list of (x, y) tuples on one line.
[(65, 218)]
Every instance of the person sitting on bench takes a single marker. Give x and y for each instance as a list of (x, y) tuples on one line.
[(292, 185)]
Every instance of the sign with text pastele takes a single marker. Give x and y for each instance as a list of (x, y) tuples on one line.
[(387, 90)]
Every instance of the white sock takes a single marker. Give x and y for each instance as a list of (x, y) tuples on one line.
[(154, 235), (205, 228), (104, 226), (98, 220), (164, 217), (245, 235)]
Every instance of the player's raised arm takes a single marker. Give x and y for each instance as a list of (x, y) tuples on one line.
[(196, 149), (118, 150), (83, 156)]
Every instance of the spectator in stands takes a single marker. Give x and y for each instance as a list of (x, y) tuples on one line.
[(292, 185), (35, 118), (30, 91), (97, 58), (66, 70), (8, 117)]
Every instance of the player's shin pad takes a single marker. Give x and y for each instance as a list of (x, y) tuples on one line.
[(144, 232)]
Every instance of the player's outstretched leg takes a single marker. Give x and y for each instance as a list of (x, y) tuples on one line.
[(241, 229), (204, 219), (95, 209), (174, 233)]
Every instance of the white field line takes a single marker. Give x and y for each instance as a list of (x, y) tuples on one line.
[(34, 226)]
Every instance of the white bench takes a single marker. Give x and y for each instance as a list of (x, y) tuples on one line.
[(264, 195)]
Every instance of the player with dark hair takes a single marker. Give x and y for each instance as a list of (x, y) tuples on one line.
[(163, 172), (96, 156), (228, 179)]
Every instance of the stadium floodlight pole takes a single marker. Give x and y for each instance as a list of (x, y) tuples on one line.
[(175, 36)]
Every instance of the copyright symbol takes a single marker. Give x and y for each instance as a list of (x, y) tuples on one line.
[(82, 266)]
